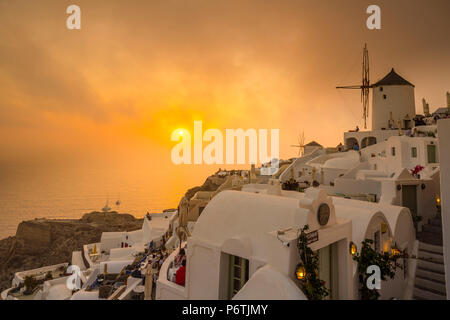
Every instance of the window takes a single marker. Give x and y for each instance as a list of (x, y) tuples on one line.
[(431, 150), (238, 274), (393, 151), (384, 96), (381, 88), (414, 152), (200, 210), (376, 241)]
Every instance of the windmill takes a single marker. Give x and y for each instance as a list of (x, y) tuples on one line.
[(300, 145), (365, 85)]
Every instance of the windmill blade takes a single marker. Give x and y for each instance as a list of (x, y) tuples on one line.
[(365, 85)]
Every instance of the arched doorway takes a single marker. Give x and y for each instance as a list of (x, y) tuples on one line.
[(350, 143), (368, 141)]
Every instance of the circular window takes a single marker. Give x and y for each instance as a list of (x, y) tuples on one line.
[(323, 214)]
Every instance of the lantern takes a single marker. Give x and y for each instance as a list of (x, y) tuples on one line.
[(438, 201), (301, 272), (353, 248)]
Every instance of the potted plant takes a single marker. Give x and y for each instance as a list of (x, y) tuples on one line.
[(386, 261), (49, 275), (30, 284)]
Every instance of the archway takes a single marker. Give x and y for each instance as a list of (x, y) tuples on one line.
[(368, 141), (350, 143)]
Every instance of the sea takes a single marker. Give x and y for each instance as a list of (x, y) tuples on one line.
[(61, 192)]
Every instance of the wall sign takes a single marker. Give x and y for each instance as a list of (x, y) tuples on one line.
[(312, 237)]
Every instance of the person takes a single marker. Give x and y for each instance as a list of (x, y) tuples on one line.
[(180, 276), (136, 273), (150, 246), (356, 147), (357, 129), (179, 258)]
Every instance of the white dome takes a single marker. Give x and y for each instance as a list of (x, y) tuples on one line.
[(269, 284), (348, 162), (234, 214)]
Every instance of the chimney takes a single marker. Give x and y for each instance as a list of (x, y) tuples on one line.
[(426, 108)]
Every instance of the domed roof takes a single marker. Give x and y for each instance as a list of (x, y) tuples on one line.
[(393, 79), (243, 214), (268, 283)]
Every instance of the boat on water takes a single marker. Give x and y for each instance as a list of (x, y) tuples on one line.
[(106, 208)]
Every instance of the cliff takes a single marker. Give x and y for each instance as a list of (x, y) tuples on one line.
[(42, 242)]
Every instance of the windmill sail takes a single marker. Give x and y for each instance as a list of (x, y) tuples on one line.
[(365, 85)]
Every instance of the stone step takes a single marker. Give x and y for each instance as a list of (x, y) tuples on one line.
[(430, 274), (431, 256), (432, 229), (424, 294), (432, 266), (430, 238), (430, 285), (436, 222), (430, 247)]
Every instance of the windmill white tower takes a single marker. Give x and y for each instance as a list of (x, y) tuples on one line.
[(392, 94), (300, 145), (392, 98)]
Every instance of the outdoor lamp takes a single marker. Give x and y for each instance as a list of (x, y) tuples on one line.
[(438, 201), (301, 272), (353, 248)]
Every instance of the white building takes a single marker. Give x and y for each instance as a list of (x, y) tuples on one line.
[(248, 235), (393, 107), (384, 175), (444, 138), (125, 245)]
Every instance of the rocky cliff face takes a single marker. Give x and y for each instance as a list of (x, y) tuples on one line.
[(42, 242), (211, 184)]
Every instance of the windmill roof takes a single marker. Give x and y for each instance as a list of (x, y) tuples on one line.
[(312, 144), (393, 79)]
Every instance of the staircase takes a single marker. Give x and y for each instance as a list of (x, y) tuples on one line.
[(430, 274), (432, 232)]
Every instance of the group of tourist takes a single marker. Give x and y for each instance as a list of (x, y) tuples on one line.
[(156, 260), (178, 271)]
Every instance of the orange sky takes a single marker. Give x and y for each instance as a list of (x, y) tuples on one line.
[(137, 70)]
